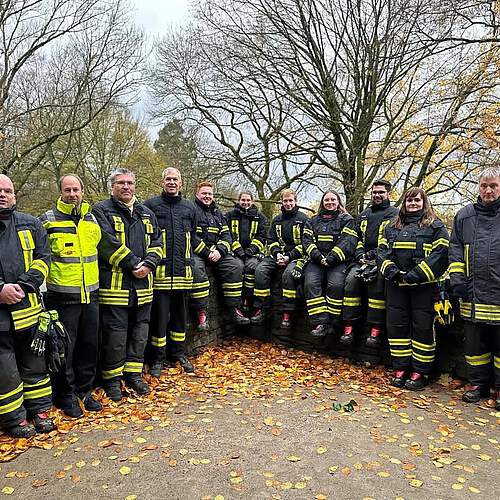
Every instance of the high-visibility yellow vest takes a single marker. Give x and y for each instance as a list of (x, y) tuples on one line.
[(74, 268)]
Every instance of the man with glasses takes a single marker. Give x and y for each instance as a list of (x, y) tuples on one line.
[(125, 283)]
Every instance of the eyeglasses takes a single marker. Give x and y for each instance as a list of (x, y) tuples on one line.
[(124, 183)]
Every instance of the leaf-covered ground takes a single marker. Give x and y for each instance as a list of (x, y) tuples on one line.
[(261, 421)]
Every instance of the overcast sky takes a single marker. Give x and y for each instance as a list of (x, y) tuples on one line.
[(156, 15)]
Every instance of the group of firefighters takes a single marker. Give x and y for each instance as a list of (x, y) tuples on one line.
[(119, 276)]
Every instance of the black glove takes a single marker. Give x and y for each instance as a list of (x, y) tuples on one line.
[(240, 253), (332, 260), (39, 339), (459, 290), (393, 274), (58, 340), (298, 270), (260, 256), (317, 256), (370, 273), (249, 252)]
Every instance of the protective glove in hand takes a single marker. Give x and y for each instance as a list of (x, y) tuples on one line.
[(39, 339)]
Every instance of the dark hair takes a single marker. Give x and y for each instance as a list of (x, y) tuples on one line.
[(332, 191), (60, 181), (428, 217), (241, 193), (383, 182)]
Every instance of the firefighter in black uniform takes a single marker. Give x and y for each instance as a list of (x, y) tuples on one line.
[(475, 278), (126, 290), (248, 226), (214, 249), (412, 256), (25, 390), (174, 276), (369, 225), (285, 246), (330, 241)]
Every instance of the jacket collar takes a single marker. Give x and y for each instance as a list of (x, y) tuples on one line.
[(70, 209)]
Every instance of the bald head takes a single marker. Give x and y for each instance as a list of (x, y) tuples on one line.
[(7, 195)]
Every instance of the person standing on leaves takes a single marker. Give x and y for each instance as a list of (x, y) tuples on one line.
[(214, 249), (330, 241), (412, 256), (126, 287), (174, 276), (248, 226), (73, 291), (369, 225), (25, 390), (475, 279), (285, 246)]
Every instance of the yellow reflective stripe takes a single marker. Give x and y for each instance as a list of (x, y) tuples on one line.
[(262, 292), (423, 358), (295, 234), (118, 255), (212, 229), (201, 284), (39, 393), (41, 266), (360, 245), (427, 270), (225, 244), (376, 304), (496, 361), (310, 248), (406, 245), (335, 302), (385, 265), (363, 226), (201, 246), (397, 342), (457, 267), (352, 301), (333, 310), (44, 381), (156, 250), (231, 285), (199, 295), (227, 293), (423, 347), (325, 237), (383, 243), (315, 300), (253, 229), (465, 309), (400, 353), (158, 341), (133, 367), (317, 310), (487, 307), (27, 244), (339, 252), (381, 238), (427, 249), (308, 231), (235, 229), (236, 244), (188, 245), (440, 242), (466, 257), (178, 336), (258, 244), (482, 359), (116, 372), (11, 406), (349, 231), (19, 388), (289, 294)]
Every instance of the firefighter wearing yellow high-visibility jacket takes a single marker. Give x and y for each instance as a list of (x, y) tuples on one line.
[(126, 289), (73, 290), (412, 256), (25, 390), (475, 278), (174, 275)]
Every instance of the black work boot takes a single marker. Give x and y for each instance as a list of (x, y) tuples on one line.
[(258, 317), (319, 331), (475, 393), (203, 325), (185, 363), (43, 423), (155, 369), (399, 379), (348, 337), (374, 339), (137, 383), (72, 408), (239, 317), (416, 382), (22, 430), (113, 390), (286, 319), (90, 403)]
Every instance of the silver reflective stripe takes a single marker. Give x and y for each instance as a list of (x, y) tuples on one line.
[(66, 260), (90, 258), (63, 289), (91, 288), (50, 216)]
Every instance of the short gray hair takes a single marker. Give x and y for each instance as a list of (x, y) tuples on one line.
[(489, 173), (164, 173), (116, 172)]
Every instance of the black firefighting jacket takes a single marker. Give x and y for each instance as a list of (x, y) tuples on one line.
[(248, 229), (370, 225), (137, 237), (285, 234), (419, 251), (330, 234), (475, 261), (177, 221), (25, 260), (211, 230)]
